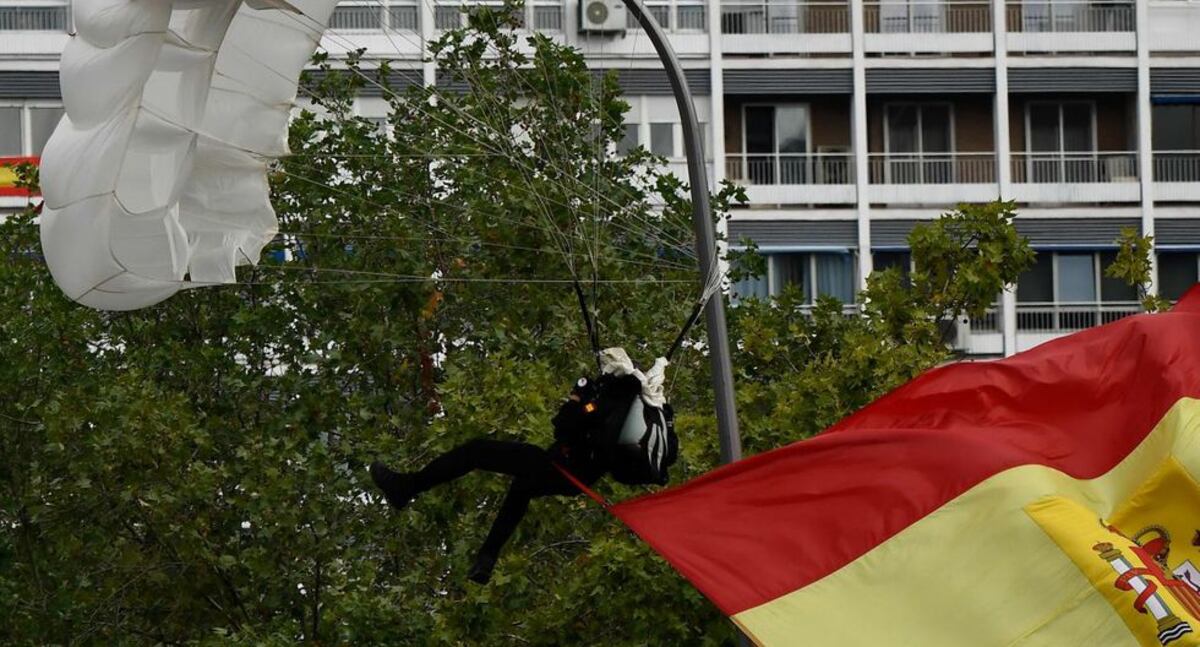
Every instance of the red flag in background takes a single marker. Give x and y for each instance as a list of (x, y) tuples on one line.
[(1049, 498)]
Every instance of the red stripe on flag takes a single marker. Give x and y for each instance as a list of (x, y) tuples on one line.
[(750, 532)]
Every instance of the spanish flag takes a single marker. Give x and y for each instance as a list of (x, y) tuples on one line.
[(8, 175), (1051, 498)]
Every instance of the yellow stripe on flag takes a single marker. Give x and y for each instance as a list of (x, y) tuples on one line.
[(1001, 545), (8, 177)]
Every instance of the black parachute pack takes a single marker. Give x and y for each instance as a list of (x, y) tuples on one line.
[(634, 439)]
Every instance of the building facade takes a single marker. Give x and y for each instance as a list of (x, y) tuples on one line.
[(849, 121)]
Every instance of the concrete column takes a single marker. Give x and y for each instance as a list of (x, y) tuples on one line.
[(1008, 298), (716, 120), (428, 69), (1145, 142), (858, 140)]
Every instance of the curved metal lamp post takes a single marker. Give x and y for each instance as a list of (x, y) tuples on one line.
[(706, 245)]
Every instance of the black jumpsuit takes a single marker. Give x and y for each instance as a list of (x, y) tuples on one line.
[(532, 468)]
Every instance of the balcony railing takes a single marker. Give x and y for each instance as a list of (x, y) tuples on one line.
[(784, 17), (932, 168), (989, 321), (790, 168), (548, 17), (1041, 16), (1081, 167), (688, 17), (1067, 317), (375, 17), (927, 17), (1177, 166), (41, 18)]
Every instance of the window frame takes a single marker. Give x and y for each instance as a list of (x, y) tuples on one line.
[(26, 125)]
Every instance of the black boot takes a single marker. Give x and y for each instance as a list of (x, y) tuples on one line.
[(397, 487), (481, 570)]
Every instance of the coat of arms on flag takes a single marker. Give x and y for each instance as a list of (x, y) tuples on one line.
[(1050, 498), (1149, 579)]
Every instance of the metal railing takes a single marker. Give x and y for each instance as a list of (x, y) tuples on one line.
[(1067, 317), (1081, 167), (790, 168), (399, 17), (784, 17), (927, 17), (1177, 166), (989, 321), (932, 168), (404, 18), (548, 17), (690, 16), (43, 18), (1041, 16)]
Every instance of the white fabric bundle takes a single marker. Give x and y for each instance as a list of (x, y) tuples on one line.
[(615, 361), (155, 179)]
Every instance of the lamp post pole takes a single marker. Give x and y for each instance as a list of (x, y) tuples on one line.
[(706, 240)]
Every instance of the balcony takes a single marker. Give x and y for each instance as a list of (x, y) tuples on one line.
[(375, 17), (691, 17), (932, 178), (1090, 176), (943, 25), (1071, 25), (1038, 323), (771, 26), (36, 28), (1177, 176), (794, 178)]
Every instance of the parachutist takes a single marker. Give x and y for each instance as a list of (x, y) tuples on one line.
[(618, 423), (532, 468)]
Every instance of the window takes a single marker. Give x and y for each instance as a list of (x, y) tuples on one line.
[(775, 143), (919, 141), (901, 261), (1036, 284), (1076, 278), (1176, 127), (10, 132), (25, 129), (42, 122), (1066, 291), (629, 141), (1061, 141), (819, 273), (1177, 272), (662, 139)]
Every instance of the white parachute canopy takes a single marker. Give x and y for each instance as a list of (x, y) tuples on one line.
[(155, 179)]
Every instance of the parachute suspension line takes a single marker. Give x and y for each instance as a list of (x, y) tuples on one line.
[(592, 333)]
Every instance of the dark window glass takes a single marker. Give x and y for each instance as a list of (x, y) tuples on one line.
[(899, 260), (1176, 273), (1114, 289), (1077, 278), (629, 141), (10, 131), (1036, 284), (790, 269), (1176, 128), (662, 139)]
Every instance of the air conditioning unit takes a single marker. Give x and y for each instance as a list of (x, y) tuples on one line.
[(601, 16)]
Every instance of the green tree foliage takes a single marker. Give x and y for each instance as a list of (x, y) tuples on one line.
[(193, 472), (1133, 266), (801, 369)]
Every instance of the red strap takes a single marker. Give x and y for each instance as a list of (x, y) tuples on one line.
[(585, 489)]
